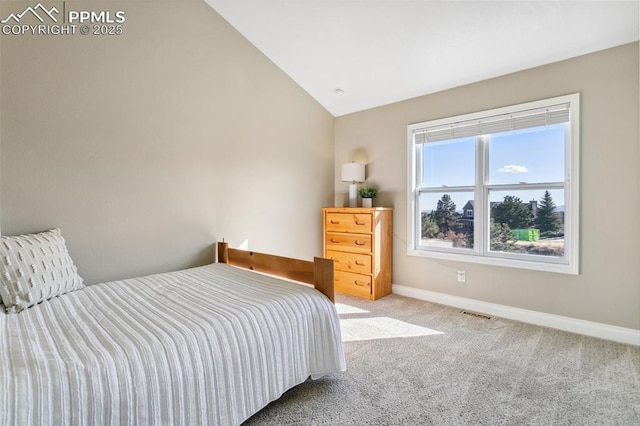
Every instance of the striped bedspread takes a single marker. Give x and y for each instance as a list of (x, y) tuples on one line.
[(203, 346)]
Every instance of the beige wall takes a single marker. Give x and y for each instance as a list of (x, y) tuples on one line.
[(146, 148), (608, 287)]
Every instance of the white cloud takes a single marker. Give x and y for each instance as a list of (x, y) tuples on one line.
[(512, 168)]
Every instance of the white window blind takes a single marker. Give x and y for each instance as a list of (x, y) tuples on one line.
[(489, 125)]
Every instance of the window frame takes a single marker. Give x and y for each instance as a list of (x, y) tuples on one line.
[(480, 253)]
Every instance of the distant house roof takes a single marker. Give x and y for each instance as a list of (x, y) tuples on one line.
[(470, 204)]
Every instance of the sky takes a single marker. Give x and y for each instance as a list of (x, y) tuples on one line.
[(532, 155)]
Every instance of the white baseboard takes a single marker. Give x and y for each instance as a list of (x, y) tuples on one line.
[(587, 328)]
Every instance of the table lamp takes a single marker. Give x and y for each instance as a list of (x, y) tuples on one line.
[(353, 173)]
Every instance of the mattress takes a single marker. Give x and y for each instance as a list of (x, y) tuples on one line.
[(209, 346)]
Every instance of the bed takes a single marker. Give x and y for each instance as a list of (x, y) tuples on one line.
[(204, 346)]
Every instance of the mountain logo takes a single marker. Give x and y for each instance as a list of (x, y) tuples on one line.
[(39, 11)]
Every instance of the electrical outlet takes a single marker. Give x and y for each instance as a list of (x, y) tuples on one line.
[(462, 276)]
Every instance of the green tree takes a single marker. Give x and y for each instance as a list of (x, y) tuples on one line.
[(547, 219), (445, 214), (513, 213), (501, 238), (429, 227)]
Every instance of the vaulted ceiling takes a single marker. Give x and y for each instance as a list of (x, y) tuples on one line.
[(352, 55)]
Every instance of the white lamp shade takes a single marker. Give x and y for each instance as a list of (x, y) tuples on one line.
[(353, 172)]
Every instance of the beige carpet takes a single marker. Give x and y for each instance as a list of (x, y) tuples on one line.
[(411, 362)]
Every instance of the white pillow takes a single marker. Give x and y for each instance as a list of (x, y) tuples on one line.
[(34, 268)]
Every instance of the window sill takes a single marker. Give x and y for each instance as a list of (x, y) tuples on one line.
[(560, 268)]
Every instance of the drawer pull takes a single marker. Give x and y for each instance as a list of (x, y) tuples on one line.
[(360, 223), (358, 243), (335, 222), (361, 284), (357, 262), (334, 241)]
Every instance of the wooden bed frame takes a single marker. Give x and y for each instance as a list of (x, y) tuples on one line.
[(319, 273)]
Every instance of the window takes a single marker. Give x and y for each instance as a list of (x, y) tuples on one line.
[(498, 187)]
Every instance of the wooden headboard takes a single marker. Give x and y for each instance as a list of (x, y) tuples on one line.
[(319, 273)]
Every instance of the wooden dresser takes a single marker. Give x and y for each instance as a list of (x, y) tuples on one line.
[(359, 242)]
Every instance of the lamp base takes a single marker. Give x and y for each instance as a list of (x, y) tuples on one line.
[(353, 195)]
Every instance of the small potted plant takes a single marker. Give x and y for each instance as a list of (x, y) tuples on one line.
[(367, 193)]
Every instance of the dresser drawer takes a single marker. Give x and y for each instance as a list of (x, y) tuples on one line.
[(351, 262), (348, 242), (348, 222), (355, 284)]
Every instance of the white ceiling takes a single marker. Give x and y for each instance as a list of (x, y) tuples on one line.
[(379, 52)]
